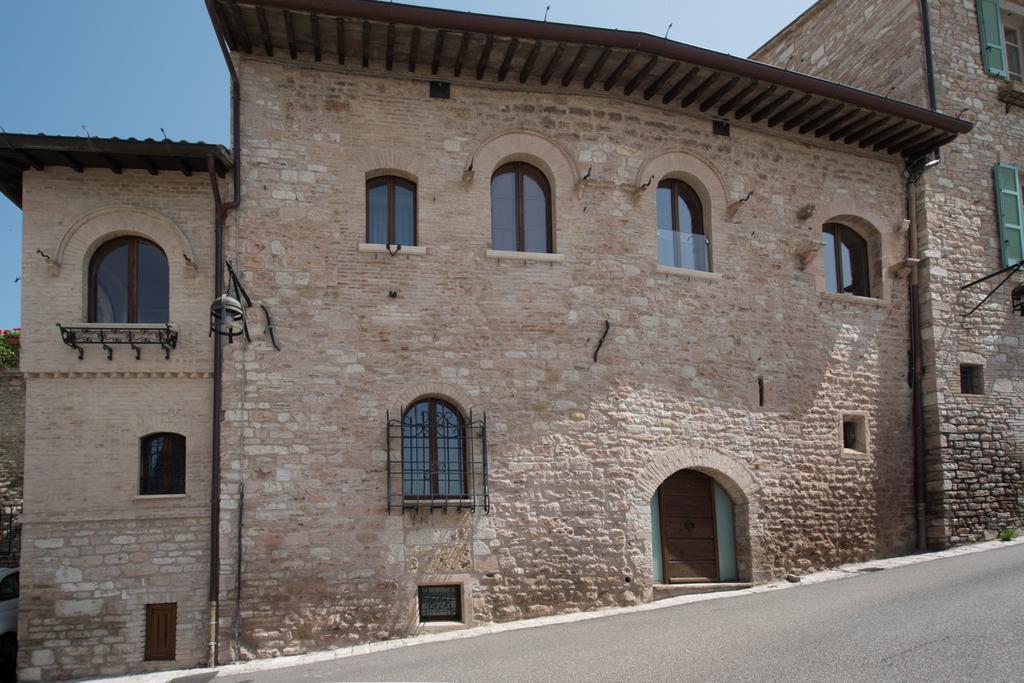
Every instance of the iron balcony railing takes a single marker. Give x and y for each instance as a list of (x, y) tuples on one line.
[(437, 460), (132, 335)]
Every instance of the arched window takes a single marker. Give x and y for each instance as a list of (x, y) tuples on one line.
[(390, 211), (681, 239), (846, 261), (128, 283), (520, 209), (433, 450), (162, 466)]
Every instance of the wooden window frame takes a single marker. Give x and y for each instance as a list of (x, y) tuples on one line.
[(391, 182), (133, 274), (160, 651), (838, 231), (692, 200), (170, 438), (435, 487), (520, 169)]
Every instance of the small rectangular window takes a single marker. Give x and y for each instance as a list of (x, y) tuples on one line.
[(972, 379), (441, 603), (161, 622), (854, 433)]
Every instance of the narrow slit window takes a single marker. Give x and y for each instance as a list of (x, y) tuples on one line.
[(853, 434)]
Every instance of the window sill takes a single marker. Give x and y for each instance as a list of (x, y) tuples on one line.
[(159, 496), (688, 273), (525, 256), (441, 626), (406, 250), (853, 453), (854, 299)]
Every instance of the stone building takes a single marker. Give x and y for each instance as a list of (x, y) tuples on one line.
[(539, 318), (965, 58)]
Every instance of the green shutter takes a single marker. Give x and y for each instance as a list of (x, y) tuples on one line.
[(1008, 208), (990, 25)]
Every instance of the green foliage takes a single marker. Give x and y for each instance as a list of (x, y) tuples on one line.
[(9, 353), (1008, 534)]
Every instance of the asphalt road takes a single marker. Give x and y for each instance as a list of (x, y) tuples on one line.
[(953, 619)]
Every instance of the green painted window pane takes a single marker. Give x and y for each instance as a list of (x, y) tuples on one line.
[(1008, 206), (990, 26)]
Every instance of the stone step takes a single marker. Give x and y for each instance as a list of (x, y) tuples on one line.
[(674, 590)]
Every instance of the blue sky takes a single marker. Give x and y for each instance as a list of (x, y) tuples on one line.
[(126, 68)]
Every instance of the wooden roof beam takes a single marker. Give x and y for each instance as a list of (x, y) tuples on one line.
[(853, 125), (389, 54), (640, 75), (779, 117), (885, 142), (30, 159), (460, 56), (570, 73), (610, 82), (549, 70), (531, 59), (855, 135), (835, 123), (71, 161), (699, 90), (265, 37), (771, 106), (150, 166), (660, 81), (674, 91), (506, 63), (186, 170), (594, 70), (820, 119), (435, 63), (884, 134), (713, 98), (339, 38), (366, 44), (289, 29), (941, 138), (804, 115), (243, 32), (485, 56), (731, 103), (414, 48), (112, 163), (314, 32), (229, 35), (909, 143), (754, 101)]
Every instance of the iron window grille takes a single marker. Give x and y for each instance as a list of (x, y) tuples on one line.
[(440, 603), (437, 459)]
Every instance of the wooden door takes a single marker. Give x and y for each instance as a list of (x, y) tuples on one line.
[(688, 545)]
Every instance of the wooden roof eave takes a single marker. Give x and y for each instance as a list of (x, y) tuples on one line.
[(631, 65)]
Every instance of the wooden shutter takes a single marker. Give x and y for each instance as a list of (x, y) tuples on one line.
[(1008, 209), (161, 621), (990, 26)]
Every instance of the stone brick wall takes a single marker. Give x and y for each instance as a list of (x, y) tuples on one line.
[(93, 552), (974, 443), (873, 45), (577, 448)]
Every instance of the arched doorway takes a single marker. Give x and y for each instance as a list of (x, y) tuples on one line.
[(693, 530)]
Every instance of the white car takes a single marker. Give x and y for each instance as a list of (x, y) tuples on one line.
[(8, 623)]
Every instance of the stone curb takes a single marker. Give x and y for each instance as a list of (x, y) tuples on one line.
[(842, 572)]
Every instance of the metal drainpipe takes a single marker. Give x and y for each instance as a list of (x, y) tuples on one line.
[(926, 29), (221, 209), (920, 490)]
